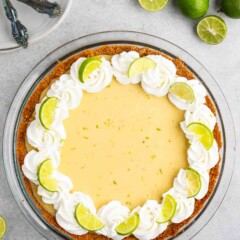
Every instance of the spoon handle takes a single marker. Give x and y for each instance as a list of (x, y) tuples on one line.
[(19, 31), (45, 7)]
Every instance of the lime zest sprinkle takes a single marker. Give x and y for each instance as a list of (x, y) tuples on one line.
[(153, 156), (128, 203)]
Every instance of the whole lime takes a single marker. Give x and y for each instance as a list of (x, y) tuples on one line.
[(231, 8), (194, 8)]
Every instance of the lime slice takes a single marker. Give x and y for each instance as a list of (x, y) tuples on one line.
[(127, 227), (2, 227), (203, 134), (153, 5), (168, 209), (212, 29), (45, 178), (183, 91), (86, 219), (193, 182), (87, 67), (139, 66), (47, 112)]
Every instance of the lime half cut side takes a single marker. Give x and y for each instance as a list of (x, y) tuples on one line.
[(153, 5), (194, 183), (47, 112), (86, 219), (203, 134), (2, 227), (45, 178), (183, 91), (212, 30), (140, 66), (128, 226), (87, 67), (168, 209)]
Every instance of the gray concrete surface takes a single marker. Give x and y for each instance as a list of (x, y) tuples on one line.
[(223, 62)]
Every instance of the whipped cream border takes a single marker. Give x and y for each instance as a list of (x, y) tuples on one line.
[(47, 143)]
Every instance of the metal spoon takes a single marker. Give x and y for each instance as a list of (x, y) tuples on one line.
[(19, 31), (44, 6)]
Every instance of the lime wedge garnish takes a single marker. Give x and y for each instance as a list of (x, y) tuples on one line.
[(183, 91), (139, 66), (128, 226), (168, 209), (87, 67), (212, 29), (86, 219), (203, 134), (47, 112), (153, 5), (45, 178), (2, 227), (193, 182)]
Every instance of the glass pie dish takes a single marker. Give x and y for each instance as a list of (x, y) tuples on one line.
[(92, 41)]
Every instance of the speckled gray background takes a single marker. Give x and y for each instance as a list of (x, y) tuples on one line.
[(90, 16)]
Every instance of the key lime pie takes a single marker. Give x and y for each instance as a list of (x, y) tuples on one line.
[(119, 142)]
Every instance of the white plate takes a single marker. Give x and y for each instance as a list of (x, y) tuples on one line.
[(38, 25)]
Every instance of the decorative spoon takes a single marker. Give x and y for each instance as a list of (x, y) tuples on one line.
[(44, 6), (19, 31)]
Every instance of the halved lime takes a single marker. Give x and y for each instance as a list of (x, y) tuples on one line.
[(2, 227), (193, 182), (47, 112), (87, 67), (45, 178), (168, 209), (212, 29), (183, 91), (128, 226), (86, 219), (153, 5), (203, 134), (139, 66)]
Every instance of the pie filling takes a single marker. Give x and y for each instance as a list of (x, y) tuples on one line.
[(129, 144), (111, 138)]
